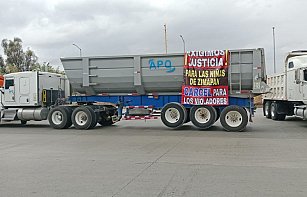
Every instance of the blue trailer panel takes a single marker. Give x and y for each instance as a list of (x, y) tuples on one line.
[(157, 102)]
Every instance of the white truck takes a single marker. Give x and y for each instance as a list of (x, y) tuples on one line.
[(42, 95), (288, 93), (28, 95)]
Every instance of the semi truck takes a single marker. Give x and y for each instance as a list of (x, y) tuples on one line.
[(288, 90), (107, 89)]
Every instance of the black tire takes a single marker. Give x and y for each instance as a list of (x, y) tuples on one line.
[(234, 118), (82, 117), (273, 111), (69, 113), (267, 109), (23, 122), (185, 112), (173, 115), (203, 117), (59, 118), (263, 109), (95, 117)]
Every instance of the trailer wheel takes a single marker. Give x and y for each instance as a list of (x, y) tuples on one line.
[(59, 118), (82, 117), (267, 109), (203, 117), (173, 115), (234, 118)]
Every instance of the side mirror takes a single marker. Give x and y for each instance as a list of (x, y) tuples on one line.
[(297, 76)]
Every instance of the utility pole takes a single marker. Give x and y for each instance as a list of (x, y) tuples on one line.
[(165, 38), (274, 50)]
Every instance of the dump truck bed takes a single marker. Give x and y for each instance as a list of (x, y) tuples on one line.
[(160, 73)]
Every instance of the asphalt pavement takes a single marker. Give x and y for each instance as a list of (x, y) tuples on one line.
[(138, 158)]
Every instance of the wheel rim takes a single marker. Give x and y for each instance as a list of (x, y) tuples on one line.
[(81, 118), (57, 117), (172, 115), (202, 115), (233, 118)]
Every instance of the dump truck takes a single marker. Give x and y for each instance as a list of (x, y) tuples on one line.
[(288, 90), (198, 86)]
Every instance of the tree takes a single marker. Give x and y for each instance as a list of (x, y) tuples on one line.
[(30, 60), (16, 58), (2, 65), (46, 67), (14, 52)]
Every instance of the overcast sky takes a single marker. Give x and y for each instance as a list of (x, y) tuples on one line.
[(121, 27)]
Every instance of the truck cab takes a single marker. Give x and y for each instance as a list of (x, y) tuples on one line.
[(29, 95), (288, 94), (296, 67)]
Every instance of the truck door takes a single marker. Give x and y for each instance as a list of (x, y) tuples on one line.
[(294, 82), (24, 90), (9, 90)]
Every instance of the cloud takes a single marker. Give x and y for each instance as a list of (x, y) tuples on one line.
[(136, 26)]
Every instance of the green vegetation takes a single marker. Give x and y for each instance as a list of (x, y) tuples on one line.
[(18, 59)]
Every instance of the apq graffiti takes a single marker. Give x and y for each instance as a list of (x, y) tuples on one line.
[(159, 64)]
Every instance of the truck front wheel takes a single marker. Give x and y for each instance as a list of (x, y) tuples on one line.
[(203, 117), (173, 115), (234, 118)]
